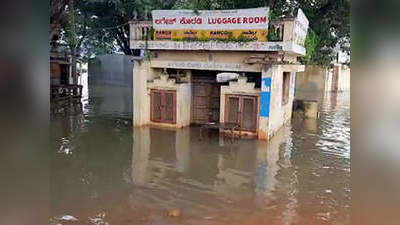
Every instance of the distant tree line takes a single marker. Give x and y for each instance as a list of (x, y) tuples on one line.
[(94, 27)]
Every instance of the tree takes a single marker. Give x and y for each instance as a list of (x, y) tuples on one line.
[(311, 43), (110, 21), (330, 20), (217, 4), (57, 13), (74, 32)]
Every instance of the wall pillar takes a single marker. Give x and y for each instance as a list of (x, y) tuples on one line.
[(265, 102), (141, 104)]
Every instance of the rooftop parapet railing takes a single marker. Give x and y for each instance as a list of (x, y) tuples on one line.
[(65, 92), (140, 30), (276, 31), (286, 30)]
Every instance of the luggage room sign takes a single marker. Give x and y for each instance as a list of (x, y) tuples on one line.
[(211, 24)]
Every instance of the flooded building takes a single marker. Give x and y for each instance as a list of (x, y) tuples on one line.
[(217, 67), (63, 88)]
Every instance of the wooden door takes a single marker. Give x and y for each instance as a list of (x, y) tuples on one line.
[(215, 97), (163, 106), (242, 109), (232, 114), (201, 93), (206, 97), (248, 113), (156, 106), (169, 107)]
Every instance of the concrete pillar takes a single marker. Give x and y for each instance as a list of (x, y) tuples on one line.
[(265, 102), (183, 105), (141, 100)]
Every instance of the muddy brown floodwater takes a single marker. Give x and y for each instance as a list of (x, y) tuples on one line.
[(105, 172)]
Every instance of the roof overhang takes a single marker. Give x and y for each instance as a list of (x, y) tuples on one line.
[(287, 47)]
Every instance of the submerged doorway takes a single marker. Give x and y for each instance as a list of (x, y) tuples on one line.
[(206, 97)]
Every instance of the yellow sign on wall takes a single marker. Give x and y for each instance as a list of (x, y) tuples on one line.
[(241, 24), (250, 35)]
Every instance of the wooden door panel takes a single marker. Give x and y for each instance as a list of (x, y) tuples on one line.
[(156, 106), (201, 115), (233, 109), (242, 110), (201, 90), (201, 101), (163, 106), (215, 92), (214, 116), (205, 101), (169, 107), (249, 114)]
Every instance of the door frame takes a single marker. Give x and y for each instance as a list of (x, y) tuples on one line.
[(206, 81)]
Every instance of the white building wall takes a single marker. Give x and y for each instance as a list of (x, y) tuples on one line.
[(280, 114), (183, 104), (141, 100)]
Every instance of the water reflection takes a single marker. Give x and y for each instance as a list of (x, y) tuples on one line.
[(191, 172), (302, 176), (205, 176)]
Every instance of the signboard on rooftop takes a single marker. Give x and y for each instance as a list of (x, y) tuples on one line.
[(301, 28), (240, 24)]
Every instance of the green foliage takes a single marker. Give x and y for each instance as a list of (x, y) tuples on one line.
[(107, 23), (216, 4), (272, 15), (330, 20), (150, 34), (78, 34), (273, 35), (311, 44), (101, 26), (74, 27), (94, 61)]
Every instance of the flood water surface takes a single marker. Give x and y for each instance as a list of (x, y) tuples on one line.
[(105, 172)]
